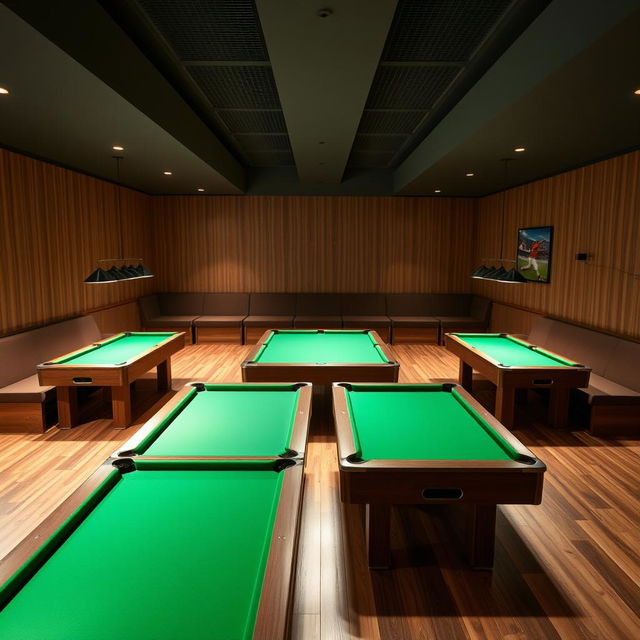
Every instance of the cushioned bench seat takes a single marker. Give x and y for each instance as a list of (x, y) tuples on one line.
[(171, 312), (610, 405), (412, 319), (268, 311), (222, 316), (318, 311), (366, 311), (25, 405)]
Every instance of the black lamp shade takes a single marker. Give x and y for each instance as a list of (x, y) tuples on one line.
[(100, 276), (496, 274), (480, 272), (512, 277), (116, 273), (143, 271)]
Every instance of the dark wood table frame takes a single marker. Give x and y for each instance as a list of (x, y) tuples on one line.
[(320, 374), (558, 380), (273, 620), (479, 485), (68, 378)]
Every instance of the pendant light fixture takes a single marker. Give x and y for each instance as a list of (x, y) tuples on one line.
[(121, 268), (500, 274)]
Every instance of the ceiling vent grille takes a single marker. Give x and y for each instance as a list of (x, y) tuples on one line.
[(206, 30), (247, 121)]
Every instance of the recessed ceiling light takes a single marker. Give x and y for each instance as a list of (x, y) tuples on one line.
[(200, 189), (4, 91), (322, 142), (436, 191), (470, 175), (637, 92), (117, 147), (519, 149), (167, 173)]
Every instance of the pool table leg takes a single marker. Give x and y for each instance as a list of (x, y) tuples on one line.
[(378, 531), (481, 535), (121, 405), (67, 407), (505, 405), (164, 375), (558, 415), (465, 376)]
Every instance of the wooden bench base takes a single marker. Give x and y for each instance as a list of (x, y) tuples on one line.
[(416, 335), (26, 417), (207, 335)]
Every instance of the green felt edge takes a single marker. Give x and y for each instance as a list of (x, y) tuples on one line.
[(523, 343), (498, 439), (260, 575), (17, 581), (111, 340), (161, 427)]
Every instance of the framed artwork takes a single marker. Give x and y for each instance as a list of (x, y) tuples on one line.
[(533, 259)]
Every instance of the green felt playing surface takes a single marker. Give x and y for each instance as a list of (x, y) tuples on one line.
[(165, 555), (421, 425), (120, 349), (242, 422), (512, 353), (326, 347)]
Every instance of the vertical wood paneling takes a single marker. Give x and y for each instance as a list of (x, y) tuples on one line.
[(313, 243), (595, 209), (55, 224)]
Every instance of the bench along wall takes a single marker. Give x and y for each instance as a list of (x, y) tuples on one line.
[(55, 224), (313, 244), (594, 209)]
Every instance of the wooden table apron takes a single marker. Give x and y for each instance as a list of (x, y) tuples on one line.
[(117, 377), (559, 381), (483, 484)]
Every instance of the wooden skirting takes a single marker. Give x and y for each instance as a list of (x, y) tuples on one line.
[(206, 335), (415, 335), (26, 417)]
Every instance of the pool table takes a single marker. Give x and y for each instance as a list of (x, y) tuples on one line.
[(115, 362), (227, 420), (429, 444), (511, 364), (157, 550), (320, 356)]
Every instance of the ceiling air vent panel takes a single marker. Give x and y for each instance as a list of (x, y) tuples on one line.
[(247, 121), (205, 30)]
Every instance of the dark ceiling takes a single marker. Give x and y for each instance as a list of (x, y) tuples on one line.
[(370, 96)]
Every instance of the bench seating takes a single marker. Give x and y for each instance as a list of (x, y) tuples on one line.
[(222, 317), (25, 406), (398, 317), (610, 405)]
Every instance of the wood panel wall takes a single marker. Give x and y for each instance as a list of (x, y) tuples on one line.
[(594, 209), (331, 244), (55, 224)]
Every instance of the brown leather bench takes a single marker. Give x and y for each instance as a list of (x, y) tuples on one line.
[(610, 405), (268, 311), (171, 312), (318, 311), (222, 317), (25, 406)]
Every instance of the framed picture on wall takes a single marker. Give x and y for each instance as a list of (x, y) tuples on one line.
[(534, 253)]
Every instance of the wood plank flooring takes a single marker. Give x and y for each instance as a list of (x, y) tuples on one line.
[(567, 569)]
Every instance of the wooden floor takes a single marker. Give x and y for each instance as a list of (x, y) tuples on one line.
[(566, 569)]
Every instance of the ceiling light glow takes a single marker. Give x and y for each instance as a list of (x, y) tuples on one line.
[(436, 191), (470, 175), (519, 149), (200, 189), (168, 173), (117, 147), (4, 91)]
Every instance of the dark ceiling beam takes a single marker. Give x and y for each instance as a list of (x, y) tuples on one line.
[(561, 32), (85, 31), (323, 68)]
